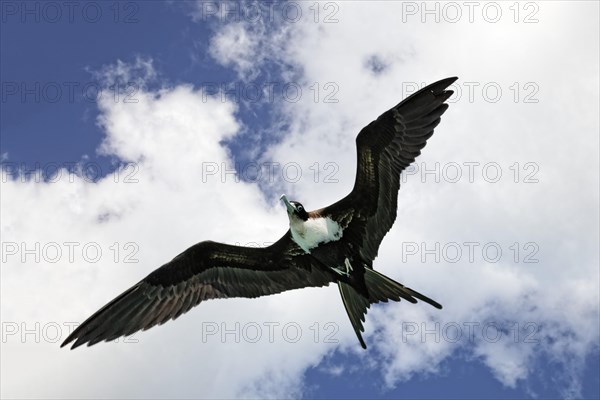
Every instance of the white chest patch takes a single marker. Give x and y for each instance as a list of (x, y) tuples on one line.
[(309, 234)]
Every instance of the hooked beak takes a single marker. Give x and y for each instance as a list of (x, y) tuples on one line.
[(288, 205)]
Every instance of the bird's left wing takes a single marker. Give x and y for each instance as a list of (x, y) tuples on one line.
[(207, 270), (385, 148)]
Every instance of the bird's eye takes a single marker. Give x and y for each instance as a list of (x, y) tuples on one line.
[(300, 208)]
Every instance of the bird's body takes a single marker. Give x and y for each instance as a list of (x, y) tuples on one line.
[(335, 244)]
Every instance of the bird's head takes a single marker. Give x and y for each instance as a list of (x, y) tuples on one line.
[(295, 210)]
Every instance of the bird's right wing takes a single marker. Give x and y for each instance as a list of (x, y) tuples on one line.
[(207, 270)]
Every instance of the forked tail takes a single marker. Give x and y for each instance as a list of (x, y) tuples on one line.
[(380, 288)]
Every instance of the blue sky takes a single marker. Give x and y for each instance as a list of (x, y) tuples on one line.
[(167, 52), (73, 48)]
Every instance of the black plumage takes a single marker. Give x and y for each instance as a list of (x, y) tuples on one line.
[(210, 270)]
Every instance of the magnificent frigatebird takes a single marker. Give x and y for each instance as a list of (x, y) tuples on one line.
[(334, 244)]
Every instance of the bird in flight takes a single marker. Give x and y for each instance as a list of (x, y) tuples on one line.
[(335, 244)]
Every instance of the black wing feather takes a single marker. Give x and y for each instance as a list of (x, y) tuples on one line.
[(207, 270), (385, 148)]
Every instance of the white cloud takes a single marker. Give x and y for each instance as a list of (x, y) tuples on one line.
[(247, 34), (236, 47), (121, 73)]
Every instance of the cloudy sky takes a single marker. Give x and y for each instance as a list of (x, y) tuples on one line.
[(132, 130)]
